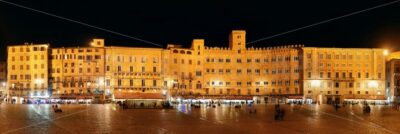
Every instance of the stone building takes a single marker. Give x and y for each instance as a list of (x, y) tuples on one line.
[(3, 79), (235, 72), (343, 74), (27, 72), (393, 77)]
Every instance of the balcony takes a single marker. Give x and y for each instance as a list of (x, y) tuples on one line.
[(187, 77), (138, 74), (340, 79)]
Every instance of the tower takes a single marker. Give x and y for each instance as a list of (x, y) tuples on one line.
[(237, 40)]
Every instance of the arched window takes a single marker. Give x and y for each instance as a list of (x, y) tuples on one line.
[(188, 52), (175, 51), (182, 52), (257, 90)]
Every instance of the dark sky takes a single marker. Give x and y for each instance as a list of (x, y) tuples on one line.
[(179, 22)]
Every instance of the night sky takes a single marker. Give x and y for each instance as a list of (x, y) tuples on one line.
[(179, 22)]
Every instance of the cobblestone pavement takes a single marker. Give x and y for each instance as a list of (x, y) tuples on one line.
[(109, 118)]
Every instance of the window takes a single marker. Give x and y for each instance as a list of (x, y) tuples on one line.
[(239, 83), (239, 71), (329, 74), (143, 82), (228, 71), (336, 84), (227, 60), (154, 69), (119, 82), (257, 71), (119, 69), (366, 75), (239, 60), (154, 83), (248, 71), (220, 70), (321, 74), (108, 83), (97, 57), (108, 68), (198, 73), (249, 60), (309, 75), (143, 69)]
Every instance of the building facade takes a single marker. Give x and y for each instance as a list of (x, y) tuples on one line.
[(236, 72), (27, 72), (393, 77), (343, 74), (3, 80), (78, 73)]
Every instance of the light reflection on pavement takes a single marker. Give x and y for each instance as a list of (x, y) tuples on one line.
[(183, 119)]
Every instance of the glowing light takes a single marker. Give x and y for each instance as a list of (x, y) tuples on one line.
[(379, 92), (315, 83), (4, 84), (101, 82), (385, 52), (373, 84), (164, 92), (39, 81)]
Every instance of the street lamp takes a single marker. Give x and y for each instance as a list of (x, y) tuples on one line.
[(385, 52)]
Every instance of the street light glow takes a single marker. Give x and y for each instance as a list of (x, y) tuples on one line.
[(373, 84), (315, 83), (385, 52)]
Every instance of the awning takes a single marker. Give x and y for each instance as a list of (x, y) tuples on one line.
[(220, 97), (367, 97), (138, 96), (295, 97), (70, 96)]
